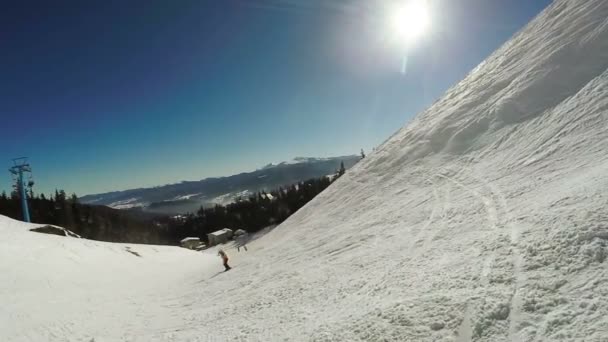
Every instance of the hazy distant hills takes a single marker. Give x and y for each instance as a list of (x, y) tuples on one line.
[(188, 196)]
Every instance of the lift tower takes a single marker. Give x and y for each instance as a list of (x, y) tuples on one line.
[(18, 170)]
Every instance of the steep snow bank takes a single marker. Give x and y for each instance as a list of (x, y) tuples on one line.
[(483, 219)]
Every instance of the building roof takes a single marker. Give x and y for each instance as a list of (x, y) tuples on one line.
[(221, 232), (190, 239)]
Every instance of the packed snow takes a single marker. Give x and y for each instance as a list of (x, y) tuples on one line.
[(484, 219)]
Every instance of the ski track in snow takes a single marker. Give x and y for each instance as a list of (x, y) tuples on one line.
[(482, 220)]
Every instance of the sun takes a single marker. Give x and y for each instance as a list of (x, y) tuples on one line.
[(410, 20)]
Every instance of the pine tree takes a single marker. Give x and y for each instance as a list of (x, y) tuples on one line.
[(342, 169), (73, 199), (57, 197), (362, 154)]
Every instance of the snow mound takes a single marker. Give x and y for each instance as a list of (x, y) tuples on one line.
[(482, 220), (49, 229)]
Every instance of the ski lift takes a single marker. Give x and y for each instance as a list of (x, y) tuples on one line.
[(19, 168), (15, 179), (30, 180)]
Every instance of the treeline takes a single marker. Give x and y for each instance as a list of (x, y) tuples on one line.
[(251, 214), (88, 221)]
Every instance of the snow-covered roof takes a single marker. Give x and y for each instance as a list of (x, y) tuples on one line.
[(221, 232), (190, 239)]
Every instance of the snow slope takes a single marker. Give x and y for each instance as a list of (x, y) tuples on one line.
[(482, 220), (56, 288)]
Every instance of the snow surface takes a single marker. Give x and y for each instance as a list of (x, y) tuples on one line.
[(57, 288), (230, 197), (483, 220), (297, 160), (127, 204), (190, 239), (183, 197)]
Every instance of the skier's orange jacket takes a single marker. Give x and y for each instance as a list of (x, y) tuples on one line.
[(224, 256)]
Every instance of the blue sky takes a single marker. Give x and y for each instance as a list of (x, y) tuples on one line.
[(110, 95)]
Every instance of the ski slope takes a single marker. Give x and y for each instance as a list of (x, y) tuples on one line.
[(484, 219)]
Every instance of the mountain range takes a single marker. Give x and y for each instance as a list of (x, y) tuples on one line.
[(189, 196)]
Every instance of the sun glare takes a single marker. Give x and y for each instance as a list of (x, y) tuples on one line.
[(410, 20)]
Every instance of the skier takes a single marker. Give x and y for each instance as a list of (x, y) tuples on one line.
[(224, 258), (241, 241)]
